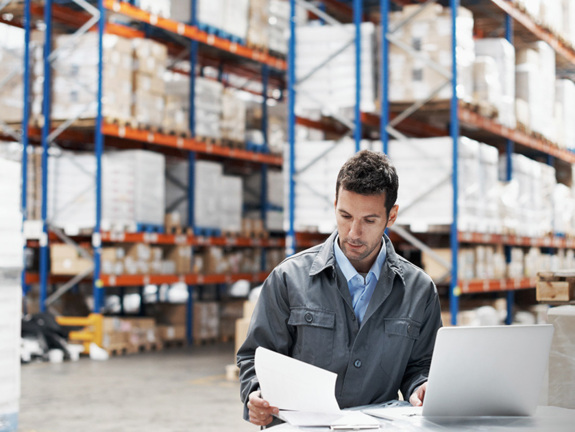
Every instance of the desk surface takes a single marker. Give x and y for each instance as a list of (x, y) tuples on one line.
[(546, 419)]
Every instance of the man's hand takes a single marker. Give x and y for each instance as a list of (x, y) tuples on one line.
[(416, 398), (260, 410)]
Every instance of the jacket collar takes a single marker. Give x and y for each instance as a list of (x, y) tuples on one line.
[(325, 259)]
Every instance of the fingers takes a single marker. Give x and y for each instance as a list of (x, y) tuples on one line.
[(260, 410), (418, 395)]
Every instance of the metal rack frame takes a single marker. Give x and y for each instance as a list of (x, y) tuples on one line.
[(457, 114), (48, 136)]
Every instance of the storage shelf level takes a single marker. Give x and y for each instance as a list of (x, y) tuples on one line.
[(190, 240), (513, 240), (194, 33), (189, 144)]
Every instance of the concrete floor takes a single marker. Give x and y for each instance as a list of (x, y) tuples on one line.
[(175, 390)]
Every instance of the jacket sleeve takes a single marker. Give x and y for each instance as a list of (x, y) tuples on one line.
[(417, 370), (268, 328)]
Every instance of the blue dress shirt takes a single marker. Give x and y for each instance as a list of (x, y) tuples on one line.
[(360, 288)]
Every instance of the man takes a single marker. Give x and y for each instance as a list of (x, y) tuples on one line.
[(350, 305)]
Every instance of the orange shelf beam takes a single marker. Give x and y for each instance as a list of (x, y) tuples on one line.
[(189, 144), (472, 118), (189, 279), (513, 240), (495, 285), (194, 33)]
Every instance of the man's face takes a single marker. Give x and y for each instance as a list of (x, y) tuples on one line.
[(361, 222)]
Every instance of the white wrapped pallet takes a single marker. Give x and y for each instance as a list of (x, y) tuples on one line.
[(11, 61), (279, 24), (177, 174), (231, 203), (315, 187), (563, 210), (503, 52), (565, 112), (430, 202), (490, 220), (71, 191), (12, 244), (235, 18), (161, 8), (568, 14), (10, 319), (429, 33), (208, 104), (207, 194), (133, 190), (331, 89)]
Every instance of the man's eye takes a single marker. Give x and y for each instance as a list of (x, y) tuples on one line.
[(369, 221), (346, 216)]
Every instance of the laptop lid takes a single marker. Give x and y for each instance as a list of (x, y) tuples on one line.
[(487, 371)]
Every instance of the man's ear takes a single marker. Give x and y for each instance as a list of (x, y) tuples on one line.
[(392, 215)]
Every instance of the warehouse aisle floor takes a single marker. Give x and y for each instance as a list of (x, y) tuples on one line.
[(175, 390)]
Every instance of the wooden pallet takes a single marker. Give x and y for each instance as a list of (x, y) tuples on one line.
[(87, 123), (233, 143), (209, 140), (174, 343)]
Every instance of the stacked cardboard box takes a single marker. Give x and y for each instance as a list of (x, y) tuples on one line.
[(177, 105), (258, 25), (75, 77), (171, 319), (331, 90), (236, 18), (242, 324), (233, 120), (129, 334), (206, 325), (142, 258), (429, 34), (276, 122), (148, 94), (34, 182), (230, 312)]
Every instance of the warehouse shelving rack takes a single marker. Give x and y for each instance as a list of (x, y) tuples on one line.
[(460, 116), (92, 17)]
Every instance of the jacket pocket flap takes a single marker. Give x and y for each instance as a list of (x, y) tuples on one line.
[(402, 327), (311, 317)]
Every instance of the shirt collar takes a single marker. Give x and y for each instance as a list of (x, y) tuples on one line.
[(349, 270)]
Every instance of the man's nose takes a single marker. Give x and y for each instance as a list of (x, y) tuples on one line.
[(355, 229)]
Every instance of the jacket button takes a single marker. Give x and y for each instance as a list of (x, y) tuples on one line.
[(308, 317), (357, 363)]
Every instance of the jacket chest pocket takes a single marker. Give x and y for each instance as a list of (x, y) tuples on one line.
[(400, 335), (315, 330)]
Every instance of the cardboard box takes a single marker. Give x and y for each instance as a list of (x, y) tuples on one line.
[(242, 326), (206, 323), (172, 333), (65, 260), (556, 286), (172, 314)]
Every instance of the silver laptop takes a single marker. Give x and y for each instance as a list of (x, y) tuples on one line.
[(487, 371), (483, 371)]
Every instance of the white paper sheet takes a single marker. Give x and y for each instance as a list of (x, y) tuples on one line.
[(305, 394), (291, 384)]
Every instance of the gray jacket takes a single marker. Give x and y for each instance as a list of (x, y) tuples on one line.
[(305, 311)]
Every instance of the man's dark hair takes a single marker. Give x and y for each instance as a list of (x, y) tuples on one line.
[(369, 173)]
